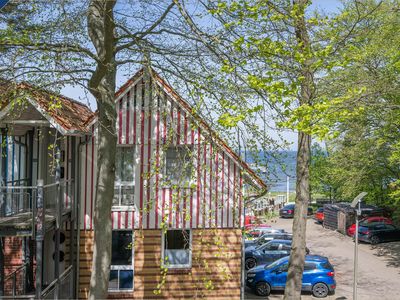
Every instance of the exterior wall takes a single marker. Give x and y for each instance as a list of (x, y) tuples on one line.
[(215, 272), (150, 120), (12, 260), (14, 167)]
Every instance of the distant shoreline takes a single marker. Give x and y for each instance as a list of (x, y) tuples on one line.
[(274, 167)]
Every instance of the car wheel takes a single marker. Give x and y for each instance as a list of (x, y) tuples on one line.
[(374, 240), (250, 263), (263, 289), (320, 290)]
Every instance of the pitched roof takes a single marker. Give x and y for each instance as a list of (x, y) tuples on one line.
[(68, 115), (185, 105)]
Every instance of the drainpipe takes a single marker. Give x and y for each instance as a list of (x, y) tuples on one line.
[(77, 215)]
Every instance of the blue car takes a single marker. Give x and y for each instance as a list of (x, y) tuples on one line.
[(318, 276), (266, 253)]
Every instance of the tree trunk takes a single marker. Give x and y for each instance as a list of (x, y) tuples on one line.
[(102, 85), (297, 255)]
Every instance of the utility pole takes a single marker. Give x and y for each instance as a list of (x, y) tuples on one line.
[(356, 202)]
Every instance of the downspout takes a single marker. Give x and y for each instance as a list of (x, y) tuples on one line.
[(78, 218)]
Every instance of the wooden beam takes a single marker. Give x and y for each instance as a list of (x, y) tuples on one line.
[(28, 122)]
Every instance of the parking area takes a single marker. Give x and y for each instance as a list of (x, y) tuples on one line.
[(379, 266)]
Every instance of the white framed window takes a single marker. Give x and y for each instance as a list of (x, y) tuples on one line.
[(177, 248), (124, 187), (121, 269), (178, 165)]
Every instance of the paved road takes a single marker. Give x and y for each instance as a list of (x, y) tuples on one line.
[(379, 266)]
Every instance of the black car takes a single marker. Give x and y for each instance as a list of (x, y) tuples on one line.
[(288, 211), (268, 237), (378, 232)]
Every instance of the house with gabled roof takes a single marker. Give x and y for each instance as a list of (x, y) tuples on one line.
[(178, 205)]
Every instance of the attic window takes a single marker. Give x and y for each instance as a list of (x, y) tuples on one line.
[(178, 165)]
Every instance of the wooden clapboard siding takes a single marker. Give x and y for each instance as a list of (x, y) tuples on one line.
[(216, 260), (150, 118)]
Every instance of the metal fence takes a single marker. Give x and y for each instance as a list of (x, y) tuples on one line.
[(16, 282), (60, 288), (21, 199)]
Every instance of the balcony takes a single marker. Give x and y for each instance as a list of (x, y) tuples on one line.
[(24, 208)]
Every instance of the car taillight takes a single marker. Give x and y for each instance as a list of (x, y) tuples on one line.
[(330, 274)]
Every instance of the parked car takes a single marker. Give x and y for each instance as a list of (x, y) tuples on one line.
[(318, 276), (261, 225), (288, 211), (378, 232), (319, 215), (259, 231), (367, 221), (267, 253), (266, 238)]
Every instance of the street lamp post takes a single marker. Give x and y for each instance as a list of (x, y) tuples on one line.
[(356, 202)]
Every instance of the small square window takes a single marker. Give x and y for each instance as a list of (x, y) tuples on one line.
[(177, 249), (178, 165), (121, 269)]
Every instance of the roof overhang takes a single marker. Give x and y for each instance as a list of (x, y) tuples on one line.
[(46, 121)]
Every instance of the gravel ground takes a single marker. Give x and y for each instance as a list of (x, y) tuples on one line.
[(379, 266)]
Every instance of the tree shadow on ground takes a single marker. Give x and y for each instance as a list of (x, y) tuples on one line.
[(390, 252)]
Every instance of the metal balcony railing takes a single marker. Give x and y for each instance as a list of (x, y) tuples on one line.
[(16, 280), (62, 288), (19, 204)]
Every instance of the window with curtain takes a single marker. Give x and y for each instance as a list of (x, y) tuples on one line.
[(124, 176)]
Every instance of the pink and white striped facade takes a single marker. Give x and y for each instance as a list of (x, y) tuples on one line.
[(151, 118)]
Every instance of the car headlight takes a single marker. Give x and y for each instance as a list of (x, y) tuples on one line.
[(251, 275)]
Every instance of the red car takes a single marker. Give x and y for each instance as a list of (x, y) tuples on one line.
[(251, 222), (319, 215), (368, 221)]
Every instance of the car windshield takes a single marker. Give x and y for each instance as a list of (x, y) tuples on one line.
[(260, 241), (267, 246), (273, 265), (264, 238), (288, 207)]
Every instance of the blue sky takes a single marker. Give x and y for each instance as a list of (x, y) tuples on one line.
[(327, 6), (3, 2)]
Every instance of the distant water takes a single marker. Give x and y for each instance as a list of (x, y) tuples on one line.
[(274, 167)]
